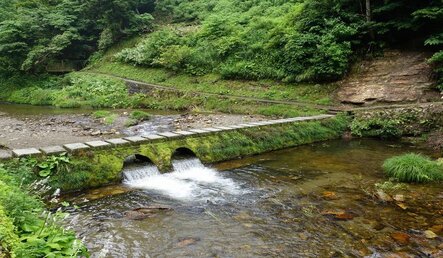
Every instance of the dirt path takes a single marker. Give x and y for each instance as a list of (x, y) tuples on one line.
[(46, 130)]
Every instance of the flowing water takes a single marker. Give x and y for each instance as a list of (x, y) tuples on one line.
[(310, 201)]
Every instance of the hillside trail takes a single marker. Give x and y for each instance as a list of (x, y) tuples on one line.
[(397, 79)]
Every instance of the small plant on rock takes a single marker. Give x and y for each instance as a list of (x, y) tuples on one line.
[(413, 168), (137, 116)]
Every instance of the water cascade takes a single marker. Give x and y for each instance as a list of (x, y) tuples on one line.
[(190, 180)]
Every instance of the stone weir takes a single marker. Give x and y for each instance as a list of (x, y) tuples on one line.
[(99, 163)]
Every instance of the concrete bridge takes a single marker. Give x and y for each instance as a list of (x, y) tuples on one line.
[(101, 162)]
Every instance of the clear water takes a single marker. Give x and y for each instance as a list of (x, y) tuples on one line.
[(272, 205)]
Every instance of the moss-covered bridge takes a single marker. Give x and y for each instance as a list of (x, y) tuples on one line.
[(101, 162)]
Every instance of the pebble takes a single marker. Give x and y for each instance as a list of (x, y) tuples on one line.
[(429, 234)]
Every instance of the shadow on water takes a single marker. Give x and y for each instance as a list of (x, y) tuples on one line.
[(310, 201)]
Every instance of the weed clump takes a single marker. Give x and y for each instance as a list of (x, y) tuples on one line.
[(413, 168), (140, 115), (107, 116)]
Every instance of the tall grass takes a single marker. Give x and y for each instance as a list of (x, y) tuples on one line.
[(413, 168)]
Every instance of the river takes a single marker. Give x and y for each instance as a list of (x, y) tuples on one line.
[(311, 201)]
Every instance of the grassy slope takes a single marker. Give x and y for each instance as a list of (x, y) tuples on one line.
[(44, 90), (212, 83)]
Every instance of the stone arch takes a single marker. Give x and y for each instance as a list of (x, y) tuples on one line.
[(183, 153), (137, 158), (135, 165)]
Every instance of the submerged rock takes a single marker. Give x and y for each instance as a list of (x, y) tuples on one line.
[(429, 234), (401, 238), (185, 241), (338, 215), (146, 212), (382, 196)]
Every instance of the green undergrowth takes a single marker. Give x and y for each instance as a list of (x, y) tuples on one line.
[(212, 83), (137, 116), (107, 116), (413, 168), (72, 91), (102, 167), (27, 228), (377, 127), (102, 91)]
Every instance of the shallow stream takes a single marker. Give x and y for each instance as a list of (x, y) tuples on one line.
[(311, 201)]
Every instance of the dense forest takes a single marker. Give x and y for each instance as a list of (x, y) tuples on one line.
[(295, 40)]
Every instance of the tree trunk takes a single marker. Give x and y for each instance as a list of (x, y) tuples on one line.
[(369, 18), (368, 11)]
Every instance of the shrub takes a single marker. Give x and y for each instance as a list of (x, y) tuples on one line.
[(107, 116), (413, 168), (140, 115), (376, 127), (137, 116), (92, 90), (36, 231)]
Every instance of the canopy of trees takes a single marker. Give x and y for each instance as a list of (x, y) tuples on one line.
[(33, 32), (292, 40), (289, 40)]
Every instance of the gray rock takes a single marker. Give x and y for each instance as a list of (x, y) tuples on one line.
[(52, 150), (26, 152), (136, 139), (153, 137), (98, 144), (76, 147), (118, 141), (169, 134)]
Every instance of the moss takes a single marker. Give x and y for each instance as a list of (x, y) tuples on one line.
[(104, 166)]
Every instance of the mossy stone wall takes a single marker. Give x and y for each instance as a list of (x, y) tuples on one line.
[(98, 167)]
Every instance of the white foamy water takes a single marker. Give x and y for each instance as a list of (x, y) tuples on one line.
[(189, 180)]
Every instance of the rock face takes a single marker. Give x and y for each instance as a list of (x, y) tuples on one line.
[(395, 77)]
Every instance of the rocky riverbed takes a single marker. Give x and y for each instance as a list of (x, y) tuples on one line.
[(37, 130)]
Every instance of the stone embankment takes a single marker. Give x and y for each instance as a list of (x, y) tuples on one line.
[(414, 119)]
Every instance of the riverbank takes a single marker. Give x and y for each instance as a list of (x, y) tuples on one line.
[(80, 90), (22, 126)]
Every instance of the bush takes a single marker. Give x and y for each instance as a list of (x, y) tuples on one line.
[(36, 232), (137, 116), (140, 115), (92, 90), (413, 168), (107, 116), (376, 127), (283, 40)]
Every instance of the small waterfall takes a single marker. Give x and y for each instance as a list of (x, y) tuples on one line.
[(189, 180), (138, 172)]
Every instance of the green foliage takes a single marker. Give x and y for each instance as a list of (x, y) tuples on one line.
[(107, 116), (376, 127), (30, 231), (284, 40), (92, 90), (52, 165), (33, 33), (138, 116), (413, 168)]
